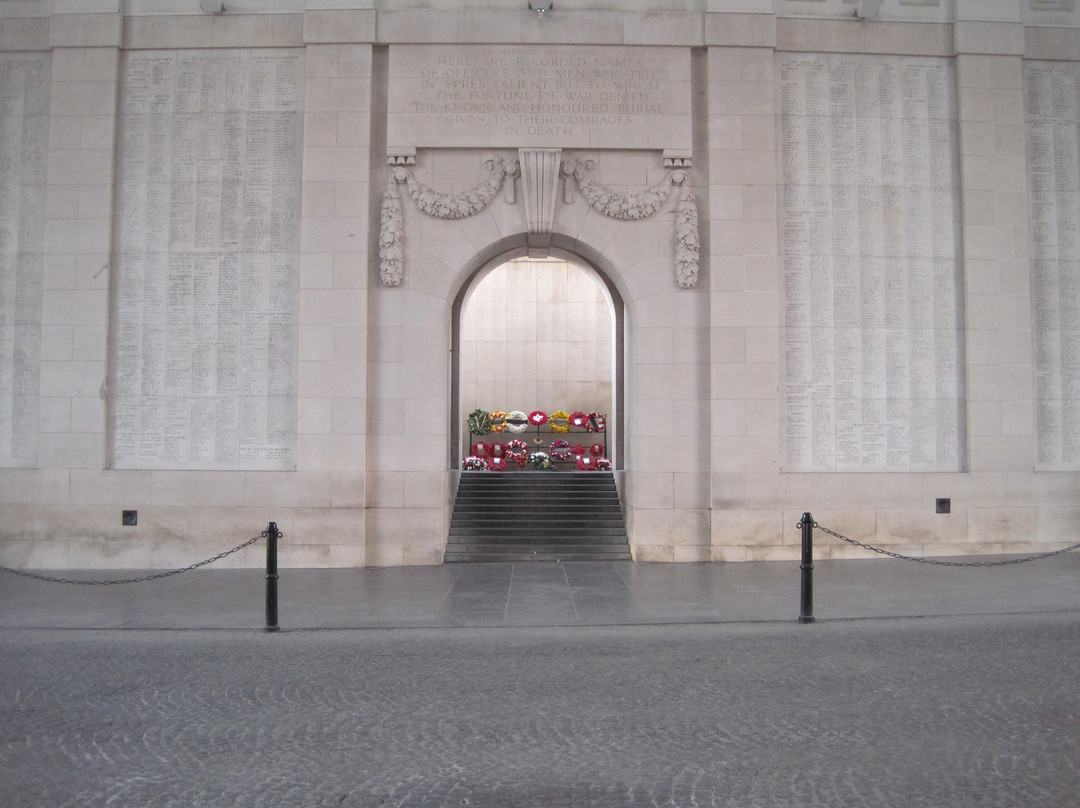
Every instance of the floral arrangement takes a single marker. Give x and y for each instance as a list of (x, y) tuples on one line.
[(541, 462), (499, 456), (518, 451), (479, 422), (560, 450), (560, 421), (585, 463)]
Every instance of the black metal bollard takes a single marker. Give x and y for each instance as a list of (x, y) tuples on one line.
[(806, 613), (272, 534)]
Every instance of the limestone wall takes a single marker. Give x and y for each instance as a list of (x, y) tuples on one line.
[(658, 144)]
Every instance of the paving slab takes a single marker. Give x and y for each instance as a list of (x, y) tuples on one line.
[(542, 594)]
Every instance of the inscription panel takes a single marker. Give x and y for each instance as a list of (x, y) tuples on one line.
[(24, 139), (513, 96), (1052, 100), (203, 370), (870, 216)]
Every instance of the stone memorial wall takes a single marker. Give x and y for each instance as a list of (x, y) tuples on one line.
[(203, 365), (872, 286), (239, 251), (24, 139), (1052, 100)]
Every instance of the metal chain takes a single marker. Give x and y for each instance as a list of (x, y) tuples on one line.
[(938, 563), (154, 577)]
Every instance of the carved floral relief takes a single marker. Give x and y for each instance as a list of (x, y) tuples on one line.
[(610, 203)]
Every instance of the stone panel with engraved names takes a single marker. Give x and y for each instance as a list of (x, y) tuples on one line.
[(1052, 102), (204, 333), (24, 141), (870, 214)]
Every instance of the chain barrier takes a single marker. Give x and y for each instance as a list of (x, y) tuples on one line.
[(938, 563), (153, 577), (807, 525)]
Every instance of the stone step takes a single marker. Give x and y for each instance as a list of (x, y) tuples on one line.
[(536, 516), (539, 517), (552, 552), (547, 537), (526, 533), (535, 477), (533, 499)]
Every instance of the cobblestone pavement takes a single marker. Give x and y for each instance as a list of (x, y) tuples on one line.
[(945, 712)]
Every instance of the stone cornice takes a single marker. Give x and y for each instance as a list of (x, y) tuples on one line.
[(1030, 33)]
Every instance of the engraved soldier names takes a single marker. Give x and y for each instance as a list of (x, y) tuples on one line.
[(203, 370), (872, 349), (24, 139), (1052, 100)]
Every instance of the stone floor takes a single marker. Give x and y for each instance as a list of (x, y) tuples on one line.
[(542, 594)]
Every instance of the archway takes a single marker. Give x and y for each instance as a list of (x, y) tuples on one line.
[(537, 334)]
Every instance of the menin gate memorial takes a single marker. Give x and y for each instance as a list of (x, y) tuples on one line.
[(237, 251)]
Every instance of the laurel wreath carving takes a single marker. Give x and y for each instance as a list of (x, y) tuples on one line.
[(391, 235), (687, 245)]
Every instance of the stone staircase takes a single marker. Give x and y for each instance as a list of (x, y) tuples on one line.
[(537, 516)]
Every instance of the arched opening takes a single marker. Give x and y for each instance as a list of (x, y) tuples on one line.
[(537, 334)]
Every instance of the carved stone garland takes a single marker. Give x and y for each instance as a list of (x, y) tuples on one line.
[(624, 207), (632, 207), (391, 249), (435, 204), (687, 246)]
